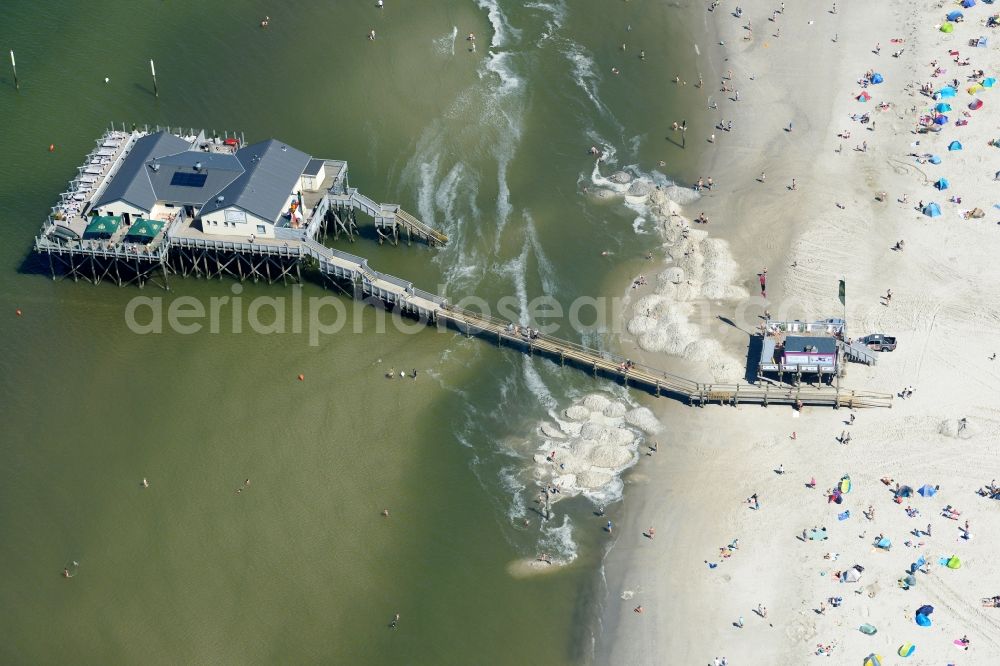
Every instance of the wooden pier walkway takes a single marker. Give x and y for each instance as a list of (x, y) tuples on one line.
[(653, 380)]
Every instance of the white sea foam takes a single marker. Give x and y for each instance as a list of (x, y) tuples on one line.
[(557, 540), (556, 11), (514, 487), (446, 44), (502, 29)]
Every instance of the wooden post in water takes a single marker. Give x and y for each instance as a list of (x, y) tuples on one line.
[(13, 66), (152, 70)]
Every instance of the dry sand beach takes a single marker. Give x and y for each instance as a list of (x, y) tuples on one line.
[(694, 490)]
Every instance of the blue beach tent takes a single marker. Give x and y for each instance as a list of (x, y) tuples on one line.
[(989, 82), (941, 120), (934, 159), (877, 78), (927, 490), (942, 107), (942, 184), (955, 15), (955, 145), (932, 210), (968, 3), (946, 92)]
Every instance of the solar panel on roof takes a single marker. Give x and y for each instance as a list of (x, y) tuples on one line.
[(189, 179)]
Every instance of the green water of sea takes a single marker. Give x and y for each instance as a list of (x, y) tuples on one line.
[(299, 566)]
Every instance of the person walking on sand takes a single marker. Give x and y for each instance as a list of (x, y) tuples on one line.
[(762, 176), (651, 532), (793, 184), (608, 527), (739, 622), (962, 424), (850, 421)]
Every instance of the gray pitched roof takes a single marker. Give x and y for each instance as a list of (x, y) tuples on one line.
[(130, 183), (218, 169), (271, 170)]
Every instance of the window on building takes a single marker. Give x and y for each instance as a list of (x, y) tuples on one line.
[(260, 228)]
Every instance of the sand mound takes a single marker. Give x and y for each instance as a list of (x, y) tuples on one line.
[(593, 479), (642, 324), (526, 568), (610, 457), (596, 402), (603, 194), (643, 419), (595, 432), (551, 430), (615, 410), (621, 437)]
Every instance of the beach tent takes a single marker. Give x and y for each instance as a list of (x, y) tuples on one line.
[(851, 575), (933, 159), (927, 490), (976, 213), (923, 620), (954, 562), (947, 92), (974, 88), (941, 119), (932, 210), (952, 16), (976, 104), (989, 83), (868, 629), (942, 107), (845, 484), (921, 561), (947, 27), (942, 184), (904, 491), (864, 96), (955, 145), (102, 226), (908, 581), (906, 649), (144, 230), (883, 543), (968, 3), (926, 610), (873, 660), (877, 78)]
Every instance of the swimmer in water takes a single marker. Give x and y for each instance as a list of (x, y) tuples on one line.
[(385, 513), (265, 22), (605, 253), (145, 483)]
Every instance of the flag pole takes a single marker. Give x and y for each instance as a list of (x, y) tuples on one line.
[(13, 65), (152, 69)]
